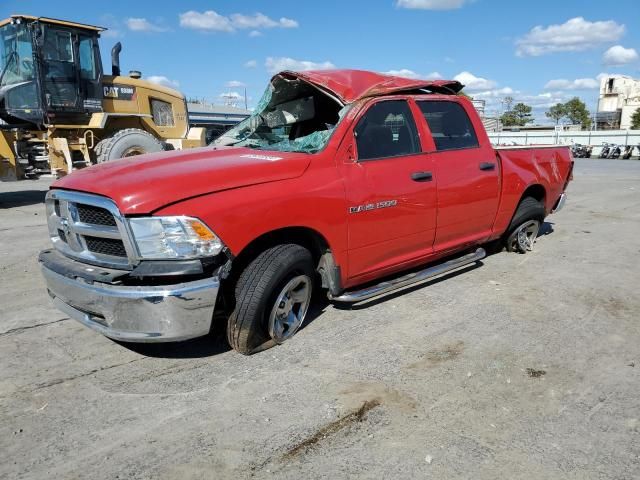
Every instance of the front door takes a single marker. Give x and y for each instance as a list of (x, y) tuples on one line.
[(389, 189)]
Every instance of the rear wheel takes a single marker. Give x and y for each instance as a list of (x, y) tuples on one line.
[(524, 228), (272, 297), (127, 143)]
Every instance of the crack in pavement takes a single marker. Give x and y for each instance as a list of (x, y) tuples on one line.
[(23, 226), (58, 381), (29, 327)]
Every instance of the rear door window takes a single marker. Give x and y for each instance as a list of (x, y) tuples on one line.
[(449, 125), (386, 130)]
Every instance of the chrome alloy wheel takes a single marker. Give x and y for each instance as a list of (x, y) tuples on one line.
[(523, 238), (290, 308)]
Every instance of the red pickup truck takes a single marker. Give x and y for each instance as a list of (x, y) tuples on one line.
[(341, 180)]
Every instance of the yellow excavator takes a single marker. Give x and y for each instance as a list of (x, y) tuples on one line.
[(60, 112)]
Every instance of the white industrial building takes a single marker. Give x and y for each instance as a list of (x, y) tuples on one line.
[(619, 99)]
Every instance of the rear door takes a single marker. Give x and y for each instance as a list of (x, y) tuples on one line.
[(467, 173), (389, 189)]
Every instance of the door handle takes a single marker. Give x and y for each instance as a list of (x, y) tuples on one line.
[(487, 166), (421, 176)]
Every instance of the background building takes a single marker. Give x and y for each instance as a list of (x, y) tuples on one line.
[(619, 99), (217, 119)]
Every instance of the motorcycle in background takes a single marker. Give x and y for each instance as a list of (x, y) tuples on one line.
[(615, 151), (606, 148), (587, 151), (581, 151), (628, 151)]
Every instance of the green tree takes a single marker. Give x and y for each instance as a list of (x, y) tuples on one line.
[(557, 112), (518, 116), (577, 113), (635, 120)]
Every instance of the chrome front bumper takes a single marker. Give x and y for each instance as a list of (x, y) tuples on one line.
[(560, 203), (136, 314)]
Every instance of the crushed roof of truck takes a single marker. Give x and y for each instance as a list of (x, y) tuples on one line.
[(352, 85)]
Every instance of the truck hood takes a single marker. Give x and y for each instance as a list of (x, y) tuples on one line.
[(143, 184)]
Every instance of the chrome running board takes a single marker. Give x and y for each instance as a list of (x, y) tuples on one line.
[(410, 279)]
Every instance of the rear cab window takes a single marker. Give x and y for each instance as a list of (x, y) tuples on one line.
[(450, 125), (387, 129)]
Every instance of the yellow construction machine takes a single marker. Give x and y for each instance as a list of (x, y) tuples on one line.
[(59, 112)]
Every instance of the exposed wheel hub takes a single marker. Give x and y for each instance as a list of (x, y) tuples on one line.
[(290, 308), (524, 237)]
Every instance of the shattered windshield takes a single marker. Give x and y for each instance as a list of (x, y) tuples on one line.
[(16, 55), (292, 116)]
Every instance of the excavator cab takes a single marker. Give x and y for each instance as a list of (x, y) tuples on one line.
[(59, 111), (50, 71)]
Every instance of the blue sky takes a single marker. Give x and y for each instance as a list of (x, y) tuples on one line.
[(539, 52)]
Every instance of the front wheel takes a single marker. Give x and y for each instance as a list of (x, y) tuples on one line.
[(272, 297)]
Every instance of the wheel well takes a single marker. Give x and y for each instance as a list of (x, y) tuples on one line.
[(303, 236), (536, 191)]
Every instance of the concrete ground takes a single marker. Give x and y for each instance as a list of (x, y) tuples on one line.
[(526, 367)]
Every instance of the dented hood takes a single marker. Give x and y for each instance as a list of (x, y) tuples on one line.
[(143, 184), (352, 85)]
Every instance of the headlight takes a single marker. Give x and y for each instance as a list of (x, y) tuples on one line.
[(174, 237)]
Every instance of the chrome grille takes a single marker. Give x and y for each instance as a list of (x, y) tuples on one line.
[(105, 246), (95, 215), (89, 228)]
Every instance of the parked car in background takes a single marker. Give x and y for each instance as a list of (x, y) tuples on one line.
[(340, 180)]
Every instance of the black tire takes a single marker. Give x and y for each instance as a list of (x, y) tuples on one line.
[(256, 291), (528, 210), (126, 143)]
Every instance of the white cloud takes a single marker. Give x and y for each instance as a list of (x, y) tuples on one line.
[(543, 100), (235, 84), (431, 4), (143, 25), (212, 21), (403, 72), (162, 80), (496, 92), (250, 64), (406, 73), (111, 33), (287, 23), (473, 83), (275, 65), (618, 55), (434, 76), (208, 21), (260, 20), (574, 35), (255, 33), (577, 84)]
